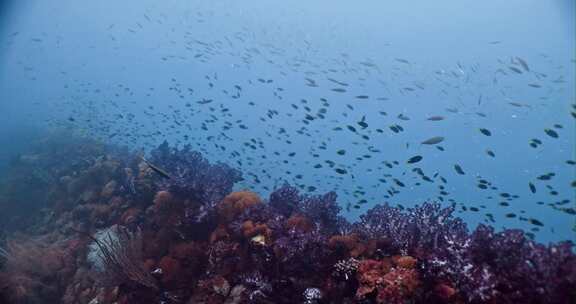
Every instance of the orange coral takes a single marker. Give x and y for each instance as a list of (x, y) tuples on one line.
[(259, 233), (369, 275), (350, 242), (394, 280), (406, 261), (398, 286), (235, 203)]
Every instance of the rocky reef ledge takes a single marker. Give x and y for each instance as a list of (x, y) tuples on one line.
[(88, 223)]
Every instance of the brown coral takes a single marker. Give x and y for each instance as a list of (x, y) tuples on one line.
[(162, 199), (168, 210), (108, 189), (235, 203), (351, 243), (219, 234), (299, 223), (129, 216)]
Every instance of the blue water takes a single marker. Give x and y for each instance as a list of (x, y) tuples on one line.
[(136, 73)]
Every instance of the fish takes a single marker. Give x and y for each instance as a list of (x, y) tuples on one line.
[(551, 133), (535, 222), (204, 101), (485, 132), (515, 69), (523, 64), (340, 171), (459, 169), (156, 169), (403, 117), (532, 187), (338, 82), (433, 140), (414, 159), (516, 104), (435, 118), (490, 153), (362, 123)]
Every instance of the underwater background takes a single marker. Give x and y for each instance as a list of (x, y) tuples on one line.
[(468, 106)]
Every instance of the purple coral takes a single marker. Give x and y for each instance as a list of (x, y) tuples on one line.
[(482, 266), (322, 209), (192, 176), (285, 200)]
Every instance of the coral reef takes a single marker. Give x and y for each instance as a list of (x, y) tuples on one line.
[(116, 231)]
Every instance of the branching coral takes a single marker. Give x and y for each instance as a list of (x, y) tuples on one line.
[(416, 231), (321, 209)]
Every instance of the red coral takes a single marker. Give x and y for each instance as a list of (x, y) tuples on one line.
[(182, 251), (33, 270), (171, 269), (235, 203), (444, 291)]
